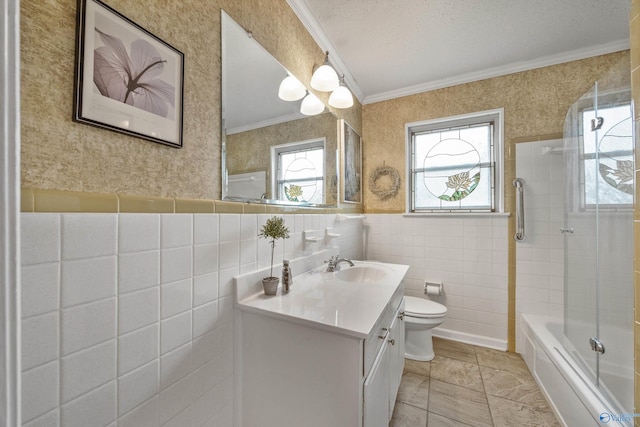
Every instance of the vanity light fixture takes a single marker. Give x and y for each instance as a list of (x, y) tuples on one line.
[(341, 97), (311, 105), (291, 89), (325, 78)]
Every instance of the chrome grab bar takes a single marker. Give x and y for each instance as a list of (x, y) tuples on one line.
[(519, 184)]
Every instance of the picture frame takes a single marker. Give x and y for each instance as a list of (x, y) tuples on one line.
[(351, 159), (126, 79)]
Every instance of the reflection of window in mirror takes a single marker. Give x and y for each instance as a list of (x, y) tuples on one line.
[(299, 171)]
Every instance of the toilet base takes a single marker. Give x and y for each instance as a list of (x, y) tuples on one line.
[(418, 345), (426, 358)]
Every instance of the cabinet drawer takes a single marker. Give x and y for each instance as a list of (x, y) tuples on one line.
[(374, 342)]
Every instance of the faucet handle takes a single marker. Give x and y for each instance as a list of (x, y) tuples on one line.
[(331, 263)]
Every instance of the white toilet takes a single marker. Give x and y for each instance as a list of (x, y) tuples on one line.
[(420, 316)]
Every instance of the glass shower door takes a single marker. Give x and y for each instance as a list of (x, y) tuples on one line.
[(598, 238), (614, 174), (580, 243)]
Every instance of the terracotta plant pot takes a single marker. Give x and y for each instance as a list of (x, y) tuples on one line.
[(270, 285)]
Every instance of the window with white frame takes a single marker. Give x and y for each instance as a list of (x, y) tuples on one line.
[(298, 171), (455, 164)]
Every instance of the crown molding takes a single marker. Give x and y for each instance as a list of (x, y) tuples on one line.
[(501, 71), (302, 10), (268, 122)]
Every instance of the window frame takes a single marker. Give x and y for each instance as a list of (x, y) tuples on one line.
[(497, 117), (289, 147)]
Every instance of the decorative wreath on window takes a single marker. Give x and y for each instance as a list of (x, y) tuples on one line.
[(392, 189)]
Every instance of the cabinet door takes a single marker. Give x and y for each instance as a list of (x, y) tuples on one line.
[(376, 391)]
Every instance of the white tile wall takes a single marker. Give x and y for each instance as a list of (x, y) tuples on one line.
[(468, 254), (128, 319), (540, 257)]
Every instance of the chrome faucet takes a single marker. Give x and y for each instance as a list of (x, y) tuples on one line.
[(333, 264)]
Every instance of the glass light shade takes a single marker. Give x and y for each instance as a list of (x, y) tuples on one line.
[(341, 98), (311, 105), (291, 89), (325, 78)]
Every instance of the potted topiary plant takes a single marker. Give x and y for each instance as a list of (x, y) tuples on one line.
[(273, 230)]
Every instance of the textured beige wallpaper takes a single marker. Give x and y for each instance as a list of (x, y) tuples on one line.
[(535, 103), (58, 153)]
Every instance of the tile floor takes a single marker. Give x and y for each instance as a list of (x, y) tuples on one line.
[(465, 385)]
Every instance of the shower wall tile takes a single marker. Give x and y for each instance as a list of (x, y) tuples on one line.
[(540, 257), (128, 318)]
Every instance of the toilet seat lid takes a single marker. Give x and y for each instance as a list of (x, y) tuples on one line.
[(420, 307)]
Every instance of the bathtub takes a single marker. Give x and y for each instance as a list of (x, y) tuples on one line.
[(575, 400)]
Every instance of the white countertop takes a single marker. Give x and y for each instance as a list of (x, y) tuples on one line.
[(319, 299)]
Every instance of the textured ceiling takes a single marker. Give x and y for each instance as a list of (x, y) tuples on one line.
[(391, 48)]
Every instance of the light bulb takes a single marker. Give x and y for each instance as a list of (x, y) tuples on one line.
[(325, 78), (291, 89), (311, 105), (341, 98)]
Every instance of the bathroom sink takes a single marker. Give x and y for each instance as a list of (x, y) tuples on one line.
[(362, 274)]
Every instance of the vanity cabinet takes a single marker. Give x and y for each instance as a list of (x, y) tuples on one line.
[(292, 372)]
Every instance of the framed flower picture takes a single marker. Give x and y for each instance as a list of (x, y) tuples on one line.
[(351, 145), (127, 79)]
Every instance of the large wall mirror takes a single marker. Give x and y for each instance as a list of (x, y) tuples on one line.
[(271, 152)]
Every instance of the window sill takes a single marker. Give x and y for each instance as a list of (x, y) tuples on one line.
[(458, 214)]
